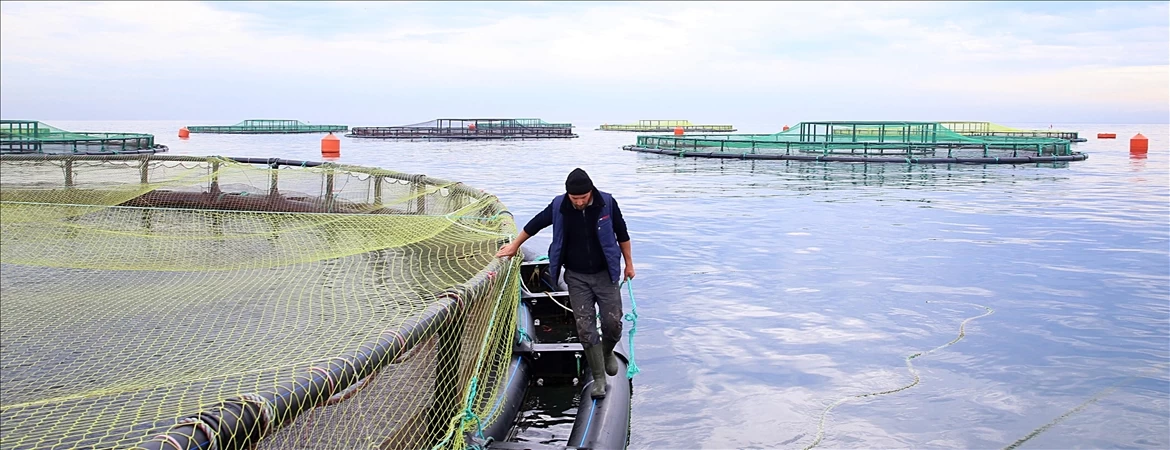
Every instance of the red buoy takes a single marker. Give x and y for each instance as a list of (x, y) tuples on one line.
[(330, 145), (1139, 144)]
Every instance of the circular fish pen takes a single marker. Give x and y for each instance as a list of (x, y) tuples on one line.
[(870, 142), (163, 302), (30, 136)]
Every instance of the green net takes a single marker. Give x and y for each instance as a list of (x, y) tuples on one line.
[(267, 126), (30, 136), (861, 141), (181, 302)]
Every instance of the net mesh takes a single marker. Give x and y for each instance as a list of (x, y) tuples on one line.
[(864, 139), (162, 302)]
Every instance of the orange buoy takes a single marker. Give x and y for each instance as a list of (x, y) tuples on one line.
[(184, 132), (471, 127), (785, 128), (1139, 144), (331, 145), (678, 131), (1106, 135)]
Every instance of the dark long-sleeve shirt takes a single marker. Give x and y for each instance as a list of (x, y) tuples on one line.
[(581, 251)]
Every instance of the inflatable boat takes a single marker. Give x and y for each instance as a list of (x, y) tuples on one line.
[(547, 354)]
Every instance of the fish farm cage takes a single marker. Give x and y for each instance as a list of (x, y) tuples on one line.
[(991, 129), (30, 136), (180, 302), (879, 142), (267, 126), (657, 126), (460, 129)]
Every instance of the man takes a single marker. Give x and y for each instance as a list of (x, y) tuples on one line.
[(589, 234)]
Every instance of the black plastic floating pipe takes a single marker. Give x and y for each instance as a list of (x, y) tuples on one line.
[(240, 422)]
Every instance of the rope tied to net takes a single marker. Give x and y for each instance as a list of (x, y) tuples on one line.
[(169, 440), (468, 414), (632, 316), (267, 413), (203, 427)]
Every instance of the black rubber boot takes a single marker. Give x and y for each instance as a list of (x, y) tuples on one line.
[(611, 363), (597, 365)]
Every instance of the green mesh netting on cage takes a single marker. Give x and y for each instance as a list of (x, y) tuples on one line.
[(30, 136), (183, 302), (926, 142)]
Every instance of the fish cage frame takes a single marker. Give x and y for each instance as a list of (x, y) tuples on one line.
[(35, 137), (469, 129), (537, 123), (666, 126), (267, 126), (244, 420), (991, 129), (882, 142)]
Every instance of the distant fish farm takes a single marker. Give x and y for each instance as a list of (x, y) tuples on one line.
[(266, 126), (30, 136), (667, 126), (469, 129)]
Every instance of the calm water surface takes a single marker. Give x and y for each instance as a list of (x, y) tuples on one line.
[(768, 291)]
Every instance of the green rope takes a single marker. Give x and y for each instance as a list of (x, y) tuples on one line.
[(468, 413), (632, 316)]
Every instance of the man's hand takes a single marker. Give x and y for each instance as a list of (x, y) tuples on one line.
[(507, 250), (629, 271)]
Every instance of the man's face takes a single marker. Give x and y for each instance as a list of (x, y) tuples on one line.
[(580, 201)]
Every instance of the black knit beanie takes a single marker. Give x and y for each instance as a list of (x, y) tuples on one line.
[(578, 182)]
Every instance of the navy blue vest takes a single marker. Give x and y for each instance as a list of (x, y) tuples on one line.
[(605, 234)]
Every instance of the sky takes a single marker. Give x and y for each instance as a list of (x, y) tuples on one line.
[(393, 63)]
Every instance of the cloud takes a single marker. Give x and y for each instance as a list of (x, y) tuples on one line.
[(655, 56)]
